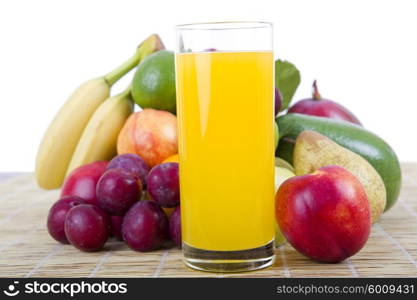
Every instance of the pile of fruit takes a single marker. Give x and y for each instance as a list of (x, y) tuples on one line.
[(101, 199), (119, 169)]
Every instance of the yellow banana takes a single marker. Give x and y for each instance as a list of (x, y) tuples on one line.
[(64, 132), (99, 139)]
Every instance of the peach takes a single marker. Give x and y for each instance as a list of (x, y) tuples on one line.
[(151, 134), (324, 215)]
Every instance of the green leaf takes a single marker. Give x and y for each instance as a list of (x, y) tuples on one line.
[(287, 79)]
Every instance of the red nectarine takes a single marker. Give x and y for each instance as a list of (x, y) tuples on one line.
[(324, 215), (82, 181)]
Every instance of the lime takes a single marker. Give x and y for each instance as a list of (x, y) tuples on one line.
[(153, 84)]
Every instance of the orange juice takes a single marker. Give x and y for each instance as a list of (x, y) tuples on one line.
[(226, 149)]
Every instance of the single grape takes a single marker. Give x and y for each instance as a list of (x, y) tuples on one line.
[(163, 184), (117, 191), (278, 101), (175, 226), (131, 163), (57, 214), (87, 227), (145, 226)]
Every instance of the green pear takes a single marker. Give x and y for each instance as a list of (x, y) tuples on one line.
[(313, 151)]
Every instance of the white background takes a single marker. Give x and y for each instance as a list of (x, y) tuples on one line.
[(363, 54)]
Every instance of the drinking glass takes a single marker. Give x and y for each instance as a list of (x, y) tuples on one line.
[(225, 109)]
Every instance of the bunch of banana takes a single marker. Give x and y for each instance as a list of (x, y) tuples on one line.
[(85, 128)]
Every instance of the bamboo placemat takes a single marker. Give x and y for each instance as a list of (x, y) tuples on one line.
[(26, 250)]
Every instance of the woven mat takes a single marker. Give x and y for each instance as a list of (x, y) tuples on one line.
[(26, 250)]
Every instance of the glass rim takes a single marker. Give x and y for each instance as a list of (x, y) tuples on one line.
[(225, 25)]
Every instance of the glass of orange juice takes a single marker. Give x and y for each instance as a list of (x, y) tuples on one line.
[(225, 90)]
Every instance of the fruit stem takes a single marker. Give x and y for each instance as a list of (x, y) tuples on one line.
[(126, 92), (316, 94), (121, 70), (151, 44)]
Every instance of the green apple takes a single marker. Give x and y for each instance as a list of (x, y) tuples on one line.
[(281, 174), (279, 162)]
